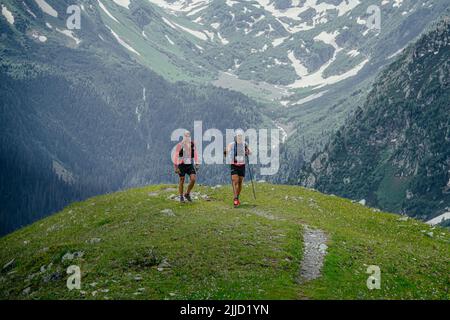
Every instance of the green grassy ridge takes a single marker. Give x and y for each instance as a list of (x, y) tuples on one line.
[(217, 252)]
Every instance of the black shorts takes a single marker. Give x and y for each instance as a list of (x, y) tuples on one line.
[(186, 169), (238, 170)]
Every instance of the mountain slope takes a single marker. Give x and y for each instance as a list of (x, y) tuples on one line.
[(101, 136), (279, 51), (79, 119), (395, 152), (93, 101), (140, 244)]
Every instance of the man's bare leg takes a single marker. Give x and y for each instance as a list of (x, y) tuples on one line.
[(181, 185), (192, 179), (241, 181), (235, 182)]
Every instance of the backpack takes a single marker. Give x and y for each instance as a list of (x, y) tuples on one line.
[(235, 152), (181, 153)]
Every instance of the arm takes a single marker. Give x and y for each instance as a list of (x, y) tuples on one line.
[(175, 156), (195, 155), (227, 150), (248, 151)]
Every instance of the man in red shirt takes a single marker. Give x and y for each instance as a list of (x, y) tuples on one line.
[(185, 160)]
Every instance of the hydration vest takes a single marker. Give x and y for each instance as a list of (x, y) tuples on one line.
[(239, 159), (181, 153)]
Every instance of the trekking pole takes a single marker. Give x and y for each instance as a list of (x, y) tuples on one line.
[(251, 177)]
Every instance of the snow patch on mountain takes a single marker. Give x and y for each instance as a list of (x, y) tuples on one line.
[(396, 53), (347, 6), (46, 8), (278, 62), (70, 34), (123, 3), (260, 24), (276, 42), (27, 9), (168, 39), (102, 6), (328, 38), (36, 35), (7, 14), (316, 79), (166, 21), (439, 219), (310, 98), (180, 5), (231, 3), (293, 12), (210, 34), (353, 53), (197, 10), (222, 39), (361, 21), (122, 42), (300, 69), (397, 3), (197, 34), (291, 19), (260, 33)]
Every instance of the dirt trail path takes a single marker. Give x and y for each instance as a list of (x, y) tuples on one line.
[(315, 249)]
